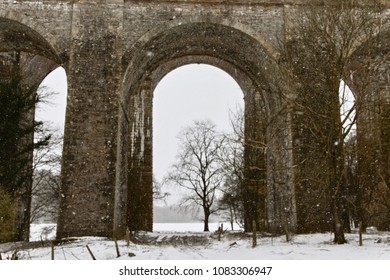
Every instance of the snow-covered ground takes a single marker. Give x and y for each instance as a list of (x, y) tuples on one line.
[(187, 242)]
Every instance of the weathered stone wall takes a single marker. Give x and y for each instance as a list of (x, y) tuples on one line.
[(254, 190), (48, 24), (282, 197), (140, 166), (89, 158)]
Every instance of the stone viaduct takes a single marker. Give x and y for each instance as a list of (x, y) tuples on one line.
[(115, 52)]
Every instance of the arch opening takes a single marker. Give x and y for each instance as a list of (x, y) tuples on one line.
[(139, 160), (188, 93), (47, 160), (203, 42)]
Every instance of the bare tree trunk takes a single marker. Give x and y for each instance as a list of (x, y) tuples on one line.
[(206, 220), (339, 237), (337, 180)]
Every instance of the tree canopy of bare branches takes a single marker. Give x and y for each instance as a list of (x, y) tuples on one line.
[(316, 55), (198, 167), (232, 155)]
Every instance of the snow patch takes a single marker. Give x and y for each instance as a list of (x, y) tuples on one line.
[(178, 242)]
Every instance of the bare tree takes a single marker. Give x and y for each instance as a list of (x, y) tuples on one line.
[(46, 178), (158, 193), (351, 182), (376, 207), (316, 55), (232, 159), (198, 167), (45, 195)]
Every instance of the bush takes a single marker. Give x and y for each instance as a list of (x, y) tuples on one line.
[(7, 217)]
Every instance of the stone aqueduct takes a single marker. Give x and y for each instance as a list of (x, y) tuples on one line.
[(115, 52)]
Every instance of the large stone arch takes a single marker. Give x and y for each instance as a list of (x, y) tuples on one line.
[(223, 46), (36, 49), (210, 19), (27, 36)]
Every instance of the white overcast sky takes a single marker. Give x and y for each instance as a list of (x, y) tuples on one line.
[(189, 93)]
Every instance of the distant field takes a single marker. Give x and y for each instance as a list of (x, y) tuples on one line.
[(47, 231), (185, 227)]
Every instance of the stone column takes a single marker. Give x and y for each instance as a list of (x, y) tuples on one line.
[(255, 147), (89, 155), (281, 196), (316, 155), (140, 170), (372, 90)]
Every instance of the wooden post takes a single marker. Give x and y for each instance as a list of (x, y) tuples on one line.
[(360, 233), (286, 230), (118, 254), (254, 234), (127, 236), (52, 251), (90, 252)]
